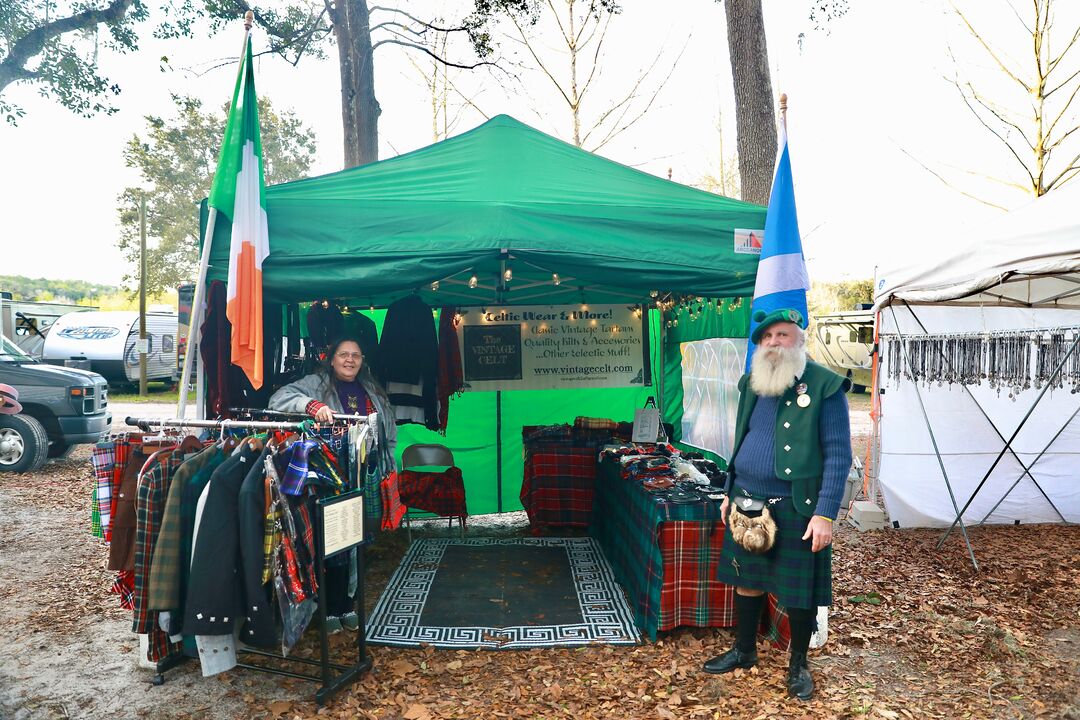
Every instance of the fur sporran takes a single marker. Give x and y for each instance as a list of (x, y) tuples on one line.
[(752, 525)]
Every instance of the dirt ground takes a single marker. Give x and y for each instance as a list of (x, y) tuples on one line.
[(914, 633)]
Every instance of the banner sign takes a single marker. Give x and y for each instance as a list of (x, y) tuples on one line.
[(540, 347)]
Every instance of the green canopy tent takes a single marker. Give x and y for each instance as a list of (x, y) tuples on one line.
[(505, 195)]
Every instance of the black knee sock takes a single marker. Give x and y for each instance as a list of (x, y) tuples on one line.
[(802, 627), (747, 617)]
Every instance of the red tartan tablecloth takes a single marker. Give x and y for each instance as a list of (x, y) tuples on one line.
[(557, 485)]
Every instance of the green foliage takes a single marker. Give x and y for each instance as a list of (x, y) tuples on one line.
[(177, 158), (840, 296), (44, 290), (54, 46)]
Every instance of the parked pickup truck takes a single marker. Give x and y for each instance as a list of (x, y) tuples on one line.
[(61, 407)]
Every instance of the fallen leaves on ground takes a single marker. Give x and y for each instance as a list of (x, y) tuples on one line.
[(915, 632)]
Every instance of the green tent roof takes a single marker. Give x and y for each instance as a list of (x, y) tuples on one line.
[(500, 193)]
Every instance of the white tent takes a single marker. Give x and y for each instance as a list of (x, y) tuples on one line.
[(999, 451)]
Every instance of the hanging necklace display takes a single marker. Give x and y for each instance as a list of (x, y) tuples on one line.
[(1011, 360)]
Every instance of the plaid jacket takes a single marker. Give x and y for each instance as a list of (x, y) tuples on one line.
[(165, 569), (149, 504)]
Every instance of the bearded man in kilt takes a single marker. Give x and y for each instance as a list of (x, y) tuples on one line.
[(793, 452)]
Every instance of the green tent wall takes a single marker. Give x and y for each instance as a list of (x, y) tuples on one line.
[(507, 195)]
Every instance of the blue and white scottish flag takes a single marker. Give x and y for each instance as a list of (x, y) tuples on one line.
[(782, 281)]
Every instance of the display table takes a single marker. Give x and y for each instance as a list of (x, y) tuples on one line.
[(557, 485), (559, 473), (665, 557)]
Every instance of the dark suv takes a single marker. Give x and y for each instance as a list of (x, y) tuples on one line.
[(61, 407)]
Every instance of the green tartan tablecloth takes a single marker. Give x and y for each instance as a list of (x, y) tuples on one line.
[(665, 556)]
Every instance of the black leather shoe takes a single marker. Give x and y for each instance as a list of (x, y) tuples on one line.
[(731, 660), (799, 682)]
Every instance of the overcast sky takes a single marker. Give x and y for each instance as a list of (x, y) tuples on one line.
[(865, 96)]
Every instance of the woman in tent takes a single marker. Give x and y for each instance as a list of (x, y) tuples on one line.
[(342, 384)]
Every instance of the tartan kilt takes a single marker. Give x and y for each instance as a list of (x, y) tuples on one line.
[(798, 577)]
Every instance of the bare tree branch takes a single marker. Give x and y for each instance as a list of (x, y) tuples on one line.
[(1004, 68), (421, 48), (998, 135), (616, 132), (948, 184), (1000, 117), (596, 57), (1071, 167), (539, 62), (1072, 172), (1064, 109), (418, 21)]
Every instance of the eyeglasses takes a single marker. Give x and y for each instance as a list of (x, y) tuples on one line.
[(349, 356)]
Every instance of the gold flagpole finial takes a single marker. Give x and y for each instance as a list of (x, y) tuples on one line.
[(249, 18), (783, 110)]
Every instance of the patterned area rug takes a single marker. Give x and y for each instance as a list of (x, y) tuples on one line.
[(502, 594)]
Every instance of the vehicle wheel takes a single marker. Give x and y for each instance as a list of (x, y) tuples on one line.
[(24, 445), (60, 450)]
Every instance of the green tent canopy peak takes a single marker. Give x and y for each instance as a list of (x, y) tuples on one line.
[(500, 195)]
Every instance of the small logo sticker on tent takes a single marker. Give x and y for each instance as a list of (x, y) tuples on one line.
[(748, 242)]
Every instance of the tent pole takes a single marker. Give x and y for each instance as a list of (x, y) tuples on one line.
[(1027, 468), (1016, 432), (662, 368), (1000, 436), (933, 441), (498, 451), (196, 314)]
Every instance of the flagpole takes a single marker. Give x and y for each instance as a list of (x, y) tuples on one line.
[(195, 331), (783, 112)]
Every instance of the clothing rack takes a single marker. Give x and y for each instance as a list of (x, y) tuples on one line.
[(342, 417), (331, 683), (147, 423)]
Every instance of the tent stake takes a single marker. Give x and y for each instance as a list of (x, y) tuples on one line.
[(937, 452)]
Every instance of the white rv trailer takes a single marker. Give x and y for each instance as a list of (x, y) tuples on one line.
[(844, 344), (107, 339)]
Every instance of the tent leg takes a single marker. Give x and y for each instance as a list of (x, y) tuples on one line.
[(937, 452), (1016, 432), (1002, 438), (1027, 472)]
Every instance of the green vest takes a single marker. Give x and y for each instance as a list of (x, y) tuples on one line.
[(797, 453)]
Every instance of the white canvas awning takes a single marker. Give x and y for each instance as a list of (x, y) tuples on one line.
[(1027, 258)]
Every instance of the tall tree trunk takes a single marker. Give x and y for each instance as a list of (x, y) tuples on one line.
[(359, 107), (754, 110)]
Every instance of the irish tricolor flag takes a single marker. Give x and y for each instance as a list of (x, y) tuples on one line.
[(237, 193)]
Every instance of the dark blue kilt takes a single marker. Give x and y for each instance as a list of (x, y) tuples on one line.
[(797, 576)]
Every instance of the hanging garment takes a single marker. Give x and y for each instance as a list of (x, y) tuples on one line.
[(258, 628), (360, 326), (150, 504), (214, 593), (451, 377), (215, 350), (122, 549), (103, 460), (165, 568), (408, 351), (324, 324)]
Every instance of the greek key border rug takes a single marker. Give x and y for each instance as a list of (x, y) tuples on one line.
[(605, 616)]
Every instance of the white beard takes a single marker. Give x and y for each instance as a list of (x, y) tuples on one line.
[(774, 370)]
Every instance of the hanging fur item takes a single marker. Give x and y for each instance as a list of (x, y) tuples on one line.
[(752, 525)]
